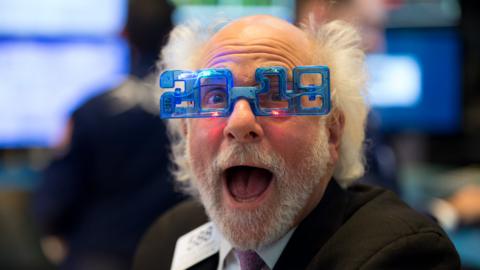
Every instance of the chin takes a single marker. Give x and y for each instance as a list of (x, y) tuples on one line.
[(247, 228), (258, 222)]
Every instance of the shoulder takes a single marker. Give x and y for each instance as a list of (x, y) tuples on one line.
[(382, 232), (94, 104), (156, 249), (108, 101)]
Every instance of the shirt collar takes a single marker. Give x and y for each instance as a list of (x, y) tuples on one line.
[(269, 254)]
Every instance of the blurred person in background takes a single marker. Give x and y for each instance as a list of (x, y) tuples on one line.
[(110, 177), (369, 17), (462, 207)]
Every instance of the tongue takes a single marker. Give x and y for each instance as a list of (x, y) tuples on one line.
[(247, 183)]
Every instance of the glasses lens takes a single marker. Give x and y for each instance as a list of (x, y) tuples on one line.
[(311, 79), (213, 92), (272, 98)]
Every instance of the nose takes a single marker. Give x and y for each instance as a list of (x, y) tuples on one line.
[(242, 124)]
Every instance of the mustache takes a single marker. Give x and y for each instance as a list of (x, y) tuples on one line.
[(251, 155)]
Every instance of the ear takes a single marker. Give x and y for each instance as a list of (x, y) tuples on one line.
[(335, 124)]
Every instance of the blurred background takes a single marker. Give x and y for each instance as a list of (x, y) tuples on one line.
[(424, 65)]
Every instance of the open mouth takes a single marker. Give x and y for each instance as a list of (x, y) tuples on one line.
[(246, 183)]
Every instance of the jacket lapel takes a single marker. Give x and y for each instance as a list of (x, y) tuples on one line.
[(315, 229)]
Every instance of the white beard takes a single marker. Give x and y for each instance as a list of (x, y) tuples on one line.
[(292, 188)]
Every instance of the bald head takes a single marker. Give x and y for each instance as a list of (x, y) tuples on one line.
[(256, 41)]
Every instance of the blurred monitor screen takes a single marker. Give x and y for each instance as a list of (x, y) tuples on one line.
[(53, 55), (415, 85), (207, 12), (41, 82), (62, 17)]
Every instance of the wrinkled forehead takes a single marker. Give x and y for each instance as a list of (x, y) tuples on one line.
[(260, 41)]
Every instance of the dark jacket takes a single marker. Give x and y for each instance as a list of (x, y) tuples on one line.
[(113, 182), (358, 228)]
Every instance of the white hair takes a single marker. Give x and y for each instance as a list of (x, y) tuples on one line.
[(335, 44)]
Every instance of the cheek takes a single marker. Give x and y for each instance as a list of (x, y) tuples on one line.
[(205, 137), (292, 139)]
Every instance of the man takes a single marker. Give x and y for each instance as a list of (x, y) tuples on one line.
[(268, 159)]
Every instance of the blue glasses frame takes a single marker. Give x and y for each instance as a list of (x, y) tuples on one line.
[(184, 100)]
